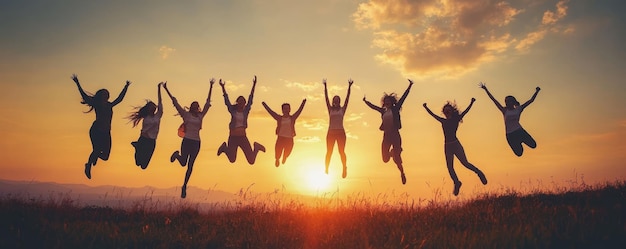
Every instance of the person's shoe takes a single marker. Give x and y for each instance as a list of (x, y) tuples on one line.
[(174, 156), (482, 177), (403, 178), (457, 187), (277, 162), (221, 149), (183, 192), (88, 170), (344, 173), (259, 146), (326, 170)]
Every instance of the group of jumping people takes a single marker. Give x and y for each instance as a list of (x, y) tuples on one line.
[(150, 116)]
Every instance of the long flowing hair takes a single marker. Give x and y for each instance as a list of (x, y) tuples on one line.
[(96, 99), (140, 113), (393, 97), (455, 110)]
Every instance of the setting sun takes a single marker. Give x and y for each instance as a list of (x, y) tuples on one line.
[(317, 180)]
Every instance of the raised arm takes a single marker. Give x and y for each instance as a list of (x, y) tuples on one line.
[(379, 109), (249, 105), (86, 98), (159, 100), (226, 100), (345, 103), (532, 99), (468, 108), (270, 111), (326, 95), (440, 119), (483, 86), (297, 113), (205, 109), (122, 94), (406, 93), (174, 100)]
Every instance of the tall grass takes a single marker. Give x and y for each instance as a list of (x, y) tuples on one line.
[(581, 217)]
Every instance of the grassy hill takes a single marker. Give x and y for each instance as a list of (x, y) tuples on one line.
[(589, 217)]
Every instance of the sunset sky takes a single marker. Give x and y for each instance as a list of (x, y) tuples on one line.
[(573, 50)]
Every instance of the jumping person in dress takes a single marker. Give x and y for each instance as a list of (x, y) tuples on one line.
[(238, 123), (391, 125), (336, 132), (150, 117), (100, 131), (285, 130), (452, 145), (515, 134), (190, 146)]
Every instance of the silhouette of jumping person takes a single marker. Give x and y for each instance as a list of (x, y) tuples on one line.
[(515, 134), (192, 121), (238, 123), (452, 145), (390, 114), (100, 131), (285, 130), (336, 133), (150, 117)]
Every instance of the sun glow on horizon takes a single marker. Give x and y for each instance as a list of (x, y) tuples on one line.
[(316, 180)]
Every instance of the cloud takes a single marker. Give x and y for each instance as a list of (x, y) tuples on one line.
[(307, 87), (452, 37), (165, 51), (314, 124), (309, 139)]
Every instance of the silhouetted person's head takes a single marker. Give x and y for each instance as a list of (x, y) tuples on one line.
[(101, 95), (389, 100), (510, 102), (194, 108), (450, 109), (147, 110), (286, 109), (336, 100), (240, 103)]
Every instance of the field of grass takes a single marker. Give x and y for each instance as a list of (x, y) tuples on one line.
[(587, 217)]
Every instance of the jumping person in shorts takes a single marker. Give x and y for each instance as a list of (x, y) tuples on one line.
[(515, 134), (452, 145), (391, 146)]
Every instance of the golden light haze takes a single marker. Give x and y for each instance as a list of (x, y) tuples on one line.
[(571, 49)]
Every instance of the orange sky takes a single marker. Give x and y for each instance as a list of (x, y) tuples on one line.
[(575, 56)]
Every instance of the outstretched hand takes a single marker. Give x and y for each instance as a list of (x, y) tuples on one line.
[(410, 82), (324, 82), (473, 99), (482, 85), (161, 84), (165, 85), (350, 82), (128, 83), (254, 80), (537, 89), (212, 81), (75, 78), (364, 98), (222, 83), (425, 105)]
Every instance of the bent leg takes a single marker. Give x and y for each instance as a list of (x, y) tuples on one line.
[(515, 143), (528, 140), (231, 148)]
